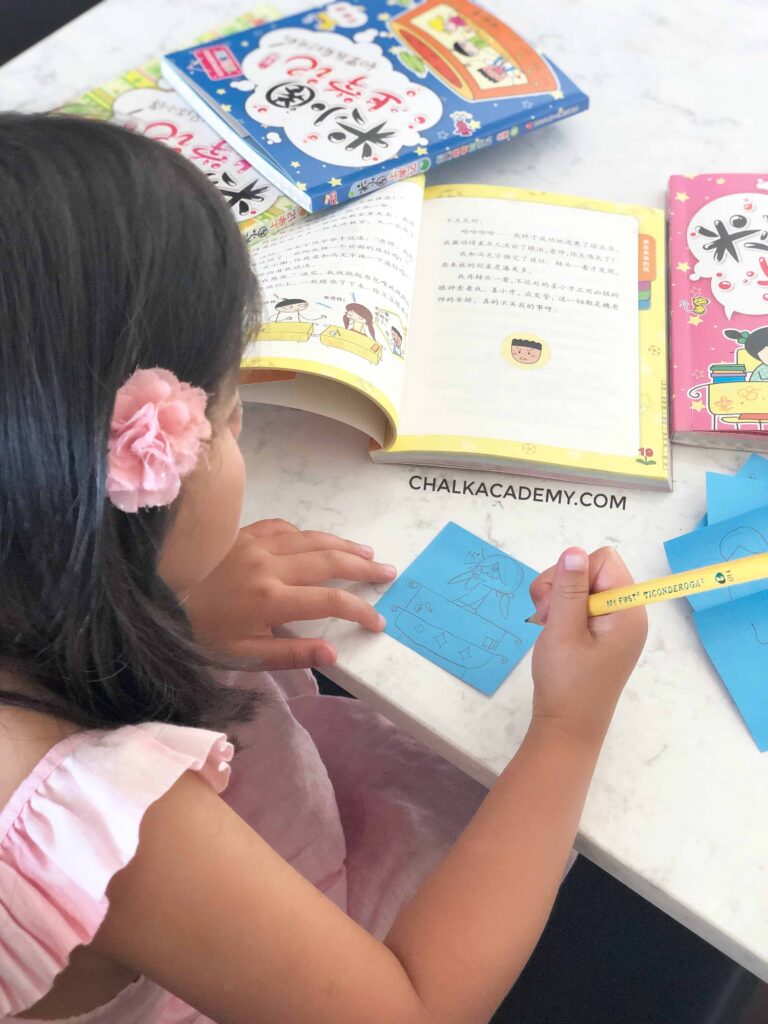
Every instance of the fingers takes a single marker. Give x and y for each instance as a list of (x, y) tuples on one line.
[(270, 528), (294, 604), (608, 571), (292, 543), (541, 591), (567, 617), (603, 568), (629, 623), (268, 654), (320, 566)]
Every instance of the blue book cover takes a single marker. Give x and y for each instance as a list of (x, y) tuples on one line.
[(343, 99)]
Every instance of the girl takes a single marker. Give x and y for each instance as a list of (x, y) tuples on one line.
[(358, 318), (130, 891)]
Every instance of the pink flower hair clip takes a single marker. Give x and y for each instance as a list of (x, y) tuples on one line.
[(157, 428)]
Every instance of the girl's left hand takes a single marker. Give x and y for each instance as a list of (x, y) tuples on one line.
[(272, 575)]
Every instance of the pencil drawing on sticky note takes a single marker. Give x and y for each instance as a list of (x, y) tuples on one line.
[(742, 541), (469, 642), (494, 577), (462, 604)]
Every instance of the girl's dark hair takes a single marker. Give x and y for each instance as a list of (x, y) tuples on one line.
[(357, 309), (755, 341), (115, 253)]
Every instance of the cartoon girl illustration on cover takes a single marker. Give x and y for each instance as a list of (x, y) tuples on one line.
[(756, 344)]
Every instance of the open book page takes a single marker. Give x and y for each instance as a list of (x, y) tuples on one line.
[(336, 293), (526, 325)]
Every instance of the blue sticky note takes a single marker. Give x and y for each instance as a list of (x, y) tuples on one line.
[(735, 635), (729, 496), (462, 604), (756, 467), (733, 538)]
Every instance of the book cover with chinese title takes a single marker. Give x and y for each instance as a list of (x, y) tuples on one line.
[(142, 101), (718, 241), (343, 99)]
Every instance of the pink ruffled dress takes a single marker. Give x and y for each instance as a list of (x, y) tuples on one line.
[(354, 804)]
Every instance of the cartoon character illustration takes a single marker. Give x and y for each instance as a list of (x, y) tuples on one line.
[(489, 585), (390, 326), (466, 48), (292, 310), (500, 69), (357, 336), (464, 124), (756, 344), (525, 351), (697, 306), (359, 318), (478, 60)]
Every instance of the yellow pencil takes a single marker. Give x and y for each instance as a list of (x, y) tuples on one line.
[(681, 584)]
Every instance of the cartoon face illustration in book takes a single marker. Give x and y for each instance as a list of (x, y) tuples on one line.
[(524, 351), (337, 100), (359, 318), (293, 311), (729, 239), (391, 327), (162, 115)]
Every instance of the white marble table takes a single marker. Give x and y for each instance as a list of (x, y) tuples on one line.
[(679, 807)]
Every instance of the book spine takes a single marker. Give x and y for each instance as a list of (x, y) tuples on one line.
[(451, 151), (363, 183), (680, 362), (280, 215)]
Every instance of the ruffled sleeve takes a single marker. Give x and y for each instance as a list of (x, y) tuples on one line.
[(69, 827)]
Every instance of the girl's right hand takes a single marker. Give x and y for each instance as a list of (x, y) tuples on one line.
[(580, 664)]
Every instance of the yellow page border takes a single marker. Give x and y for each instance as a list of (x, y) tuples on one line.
[(327, 373), (653, 358)]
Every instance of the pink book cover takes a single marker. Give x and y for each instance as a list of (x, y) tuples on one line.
[(718, 252)]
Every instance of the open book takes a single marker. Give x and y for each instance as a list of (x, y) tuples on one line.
[(476, 327)]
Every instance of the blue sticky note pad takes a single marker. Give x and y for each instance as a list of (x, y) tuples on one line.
[(756, 467), (733, 538), (462, 604), (735, 635), (729, 496)]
